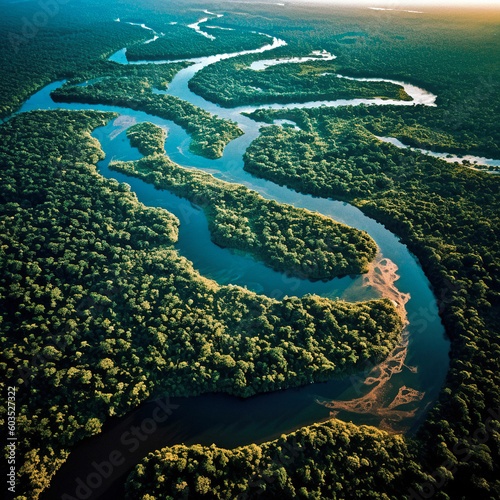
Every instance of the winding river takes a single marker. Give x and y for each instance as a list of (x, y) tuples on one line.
[(393, 395)]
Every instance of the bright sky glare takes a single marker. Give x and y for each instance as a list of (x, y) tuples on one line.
[(403, 4)]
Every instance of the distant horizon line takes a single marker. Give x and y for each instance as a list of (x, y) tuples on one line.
[(399, 5)]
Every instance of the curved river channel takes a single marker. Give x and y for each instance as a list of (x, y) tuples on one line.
[(394, 395)]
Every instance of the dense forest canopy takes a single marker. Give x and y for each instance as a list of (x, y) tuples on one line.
[(178, 42), (448, 215), (99, 312), (147, 138), (450, 52), (355, 465)]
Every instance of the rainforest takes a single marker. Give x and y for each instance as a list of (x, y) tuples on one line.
[(249, 250)]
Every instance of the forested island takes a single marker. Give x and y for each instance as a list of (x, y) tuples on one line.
[(288, 239), (232, 83), (209, 134), (354, 458), (178, 43), (147, 138), (100, 312)]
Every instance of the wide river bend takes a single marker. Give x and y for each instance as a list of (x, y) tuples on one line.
[(417, 367)]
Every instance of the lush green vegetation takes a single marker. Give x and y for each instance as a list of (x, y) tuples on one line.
[(63, 42), (145, 76), (309, 162), (335, 149), (99, 313), (209, 134), (417, 126), (286, 238), (232, 83), (147, 138), (462, 45), (179, 42), (356, 462), (451, 53), (96, 311), (448, 215), (44, 41), (426, 128)]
